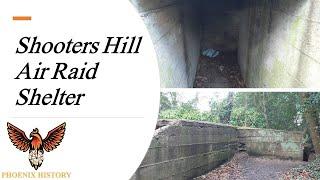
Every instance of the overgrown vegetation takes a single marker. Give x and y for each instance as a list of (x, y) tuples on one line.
[(283, 111), (171, 108), (308, 171)]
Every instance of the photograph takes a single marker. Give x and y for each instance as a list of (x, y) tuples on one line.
[(160, 89), (234, 43), (226, 135)]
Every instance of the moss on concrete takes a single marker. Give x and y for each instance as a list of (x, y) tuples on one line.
[(166, 73), (294, 31), (290, 146)]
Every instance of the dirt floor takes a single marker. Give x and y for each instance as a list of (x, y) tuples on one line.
[(244, 167), (222, 71)]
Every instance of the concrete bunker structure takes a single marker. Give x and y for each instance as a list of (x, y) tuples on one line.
[(186, 149), (277, 42)]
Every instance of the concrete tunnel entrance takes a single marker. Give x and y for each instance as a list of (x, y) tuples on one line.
[(262, 43)]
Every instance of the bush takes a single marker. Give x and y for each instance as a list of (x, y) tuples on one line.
[(187, 114), (247, 117)]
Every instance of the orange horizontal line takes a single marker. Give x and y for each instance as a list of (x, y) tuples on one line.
[(22, 18)]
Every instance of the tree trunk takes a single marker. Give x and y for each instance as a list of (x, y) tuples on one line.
[(311, 116), (264, 109), (228, 109), (246, 108)]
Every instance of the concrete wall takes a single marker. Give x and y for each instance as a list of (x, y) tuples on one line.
[(174, 27), (187, 149), (279, 43), (266, 142), (183, 149)]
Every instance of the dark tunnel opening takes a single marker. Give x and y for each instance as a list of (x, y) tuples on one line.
[(261, 44), (220, 25)]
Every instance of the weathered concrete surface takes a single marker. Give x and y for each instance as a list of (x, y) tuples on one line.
[(187, 149), (174, 27), (279, 43), (266, 142), (184, 149), (192, 38)]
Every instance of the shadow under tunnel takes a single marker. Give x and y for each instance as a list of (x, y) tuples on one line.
[(252, 43), (220, 22)]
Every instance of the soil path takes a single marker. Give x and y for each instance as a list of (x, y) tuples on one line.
[(244, 167)]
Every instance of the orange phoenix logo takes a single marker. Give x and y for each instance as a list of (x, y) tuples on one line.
[(36, 145)]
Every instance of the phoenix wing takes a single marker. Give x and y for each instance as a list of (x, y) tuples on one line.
[(54, 138), (18, 138)]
